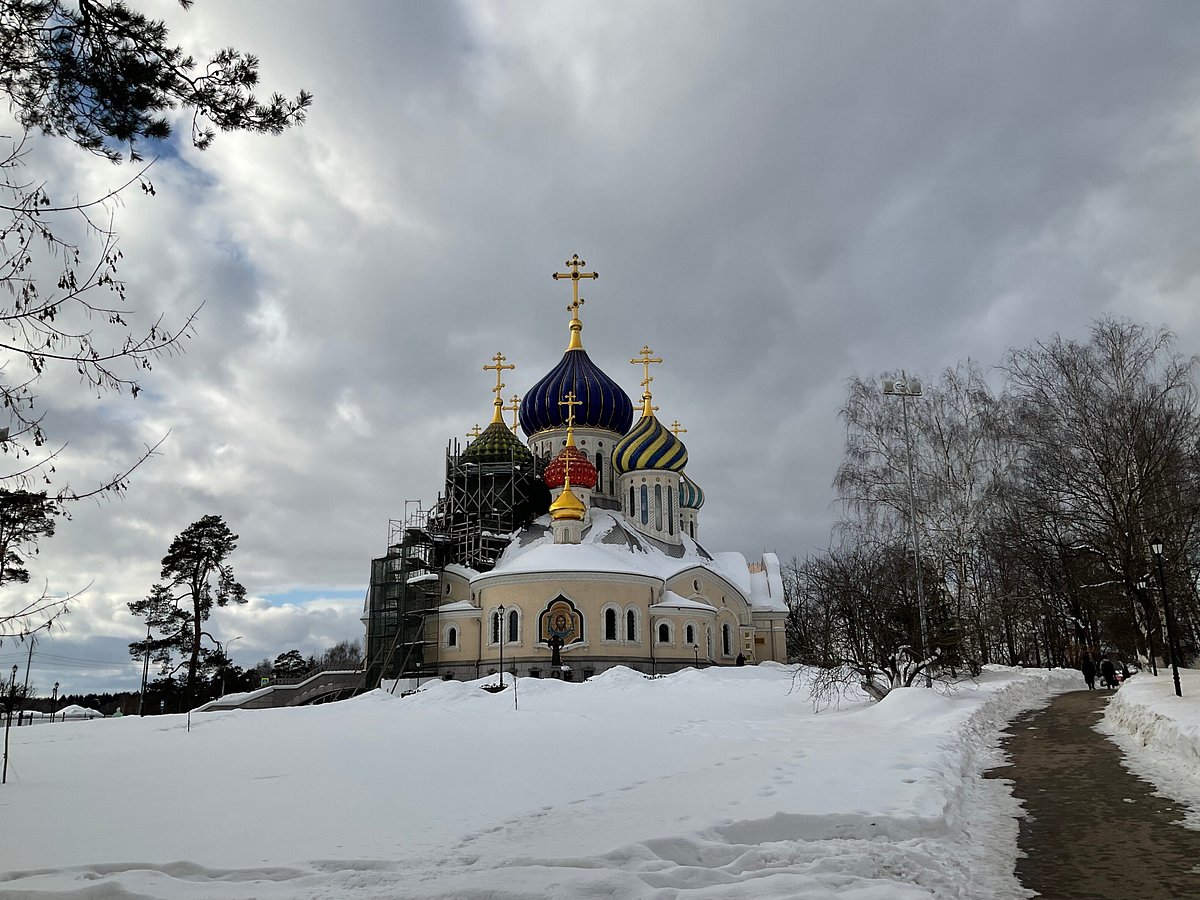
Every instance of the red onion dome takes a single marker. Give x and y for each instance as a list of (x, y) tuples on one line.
[(583, 473)]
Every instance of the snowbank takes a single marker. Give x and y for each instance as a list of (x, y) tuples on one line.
[(717, 783), (1159, 733)]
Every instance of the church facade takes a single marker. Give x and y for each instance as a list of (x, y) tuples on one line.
[(600, 563)]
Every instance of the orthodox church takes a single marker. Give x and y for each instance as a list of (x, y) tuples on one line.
[(569, 553)]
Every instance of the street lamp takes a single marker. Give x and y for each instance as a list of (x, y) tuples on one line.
[(53, 703), (1156, 547), (696, 650), (1144, 586), (228, 660), (501, 629), (905, 388)]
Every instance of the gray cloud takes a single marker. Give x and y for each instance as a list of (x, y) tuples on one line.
[(777, 196)]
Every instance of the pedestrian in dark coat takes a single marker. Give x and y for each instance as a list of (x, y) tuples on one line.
[(1089, 671), (1108, 672)]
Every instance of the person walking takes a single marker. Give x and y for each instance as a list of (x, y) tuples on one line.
[(1108, 672), (1089, 671)]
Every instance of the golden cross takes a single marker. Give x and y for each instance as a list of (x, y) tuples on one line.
[(677, 429), (475, 432), (644, 360), (499, 368), (514, 409), (575, 264), (570, 403)]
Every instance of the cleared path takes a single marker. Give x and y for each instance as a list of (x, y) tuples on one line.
[(1092, 829)]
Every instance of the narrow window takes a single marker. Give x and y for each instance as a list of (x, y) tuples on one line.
[(645, 504), (670, 511), (726, 640), (631, 626), (452, 637), (631, 505), (693, 530), (610, 624), (495, 628), (514, 626), (658, 510), (664, 633), (600, 472), (691, 635)]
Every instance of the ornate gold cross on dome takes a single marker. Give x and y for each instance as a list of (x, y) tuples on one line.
[(644, 360), (677, 429), (570, 403), (475, 432), (514, 409), (498, 367), (575, 264)]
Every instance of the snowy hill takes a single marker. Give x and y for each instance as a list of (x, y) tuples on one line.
[(719, 783)]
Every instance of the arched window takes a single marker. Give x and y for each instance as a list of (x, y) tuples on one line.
[(495, 627), (631, 504), (693, 530), (645, 504), (452, 636), (610, 624), (664, 633), (727, 639), (658, 510), (670, 511), (599, 471), (514, 626), (630, 625), (690, 634)]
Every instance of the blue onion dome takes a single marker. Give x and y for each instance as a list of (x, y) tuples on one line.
[(690, 495), (650, 445), (497, 444), (604, 404)]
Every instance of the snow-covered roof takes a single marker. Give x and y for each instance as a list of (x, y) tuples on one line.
[(767, 586), (458, 606), (608, 546), (461, 571), (675, 601)]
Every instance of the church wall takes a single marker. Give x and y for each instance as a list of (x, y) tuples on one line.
[(650, 502), (596, 652), (595, 442)]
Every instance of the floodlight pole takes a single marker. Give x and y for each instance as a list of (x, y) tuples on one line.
[(905, 388)]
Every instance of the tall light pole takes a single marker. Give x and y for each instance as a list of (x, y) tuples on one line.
[(12, 701), (1156, 547), (696, 650), (145, 674), (905, 388), (502, 623), (54, 703)]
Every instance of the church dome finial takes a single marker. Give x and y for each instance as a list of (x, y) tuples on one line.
[(649, 445)]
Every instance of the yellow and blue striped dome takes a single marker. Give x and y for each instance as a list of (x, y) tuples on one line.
[(649, 446), (690, 495)]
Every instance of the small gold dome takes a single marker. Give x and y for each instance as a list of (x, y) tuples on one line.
[(567, 505)]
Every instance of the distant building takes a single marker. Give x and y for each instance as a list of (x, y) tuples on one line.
[(574, 552)]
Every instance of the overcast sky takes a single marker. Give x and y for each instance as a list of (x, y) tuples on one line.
[(778, 196)]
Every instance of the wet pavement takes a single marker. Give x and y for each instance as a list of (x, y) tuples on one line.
[(1092, 830)]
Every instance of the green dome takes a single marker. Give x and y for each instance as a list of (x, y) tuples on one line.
[(497, 444)]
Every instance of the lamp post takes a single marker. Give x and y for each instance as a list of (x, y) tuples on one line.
[(905, 388), (1144, 586), (224, 653), (1156, 547), (53, 703), (696, 650), (501, 629)]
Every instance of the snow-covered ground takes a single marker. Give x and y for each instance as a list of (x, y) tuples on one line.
[(1159, 733), (721, 783)]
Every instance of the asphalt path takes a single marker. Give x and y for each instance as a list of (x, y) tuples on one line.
[(1092, 829)]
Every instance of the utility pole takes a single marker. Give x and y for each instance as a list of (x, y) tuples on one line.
[(25, 690)]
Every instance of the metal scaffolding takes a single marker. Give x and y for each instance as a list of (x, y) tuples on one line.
[(481, 508)]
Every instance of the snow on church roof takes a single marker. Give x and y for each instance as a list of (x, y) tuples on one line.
[(672, 599), (607, 547), (767, 585)]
